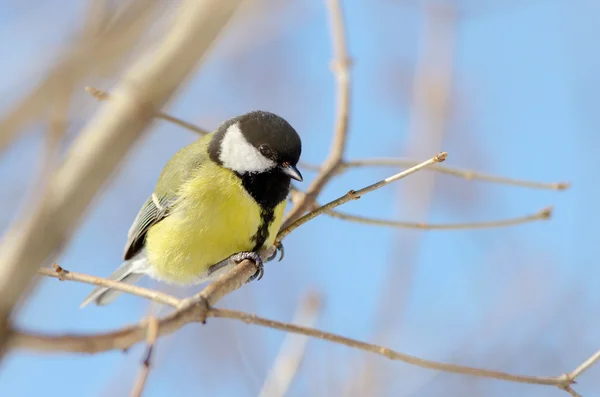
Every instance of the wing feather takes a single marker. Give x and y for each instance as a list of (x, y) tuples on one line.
[(153, 211)]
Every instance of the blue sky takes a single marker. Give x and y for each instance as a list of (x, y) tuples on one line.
[(521, 299)]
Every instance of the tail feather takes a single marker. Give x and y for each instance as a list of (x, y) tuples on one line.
[(129, 272)]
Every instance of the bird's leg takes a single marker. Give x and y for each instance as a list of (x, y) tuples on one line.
[(253, 256)]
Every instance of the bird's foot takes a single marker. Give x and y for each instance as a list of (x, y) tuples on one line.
[(278, 249), (253, 256)]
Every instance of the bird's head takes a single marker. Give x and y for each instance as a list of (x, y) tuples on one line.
[(257, 142)]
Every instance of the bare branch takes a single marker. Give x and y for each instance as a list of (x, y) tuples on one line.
[(128, 336), (103, 95), (459, 172), (93, 156), (151, 336), (443, 169), (156, 296), (193, 309), (570, 390), (340, 66), (587, 364), (290, 355), (355, 195), (543, 214), (389, 353), (197, 309)]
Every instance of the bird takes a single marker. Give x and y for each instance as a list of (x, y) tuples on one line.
[(218, 201)]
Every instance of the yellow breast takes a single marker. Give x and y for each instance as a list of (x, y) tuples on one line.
[(213, 219)]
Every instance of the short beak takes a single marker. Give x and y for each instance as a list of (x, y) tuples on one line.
[(291, 171)]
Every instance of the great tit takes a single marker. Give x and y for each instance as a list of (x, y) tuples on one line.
[(218, 201)]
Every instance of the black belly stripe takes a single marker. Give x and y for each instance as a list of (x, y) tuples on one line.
[(268, 189), (262, 233)]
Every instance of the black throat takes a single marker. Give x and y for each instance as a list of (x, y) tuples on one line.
[(268, 189)]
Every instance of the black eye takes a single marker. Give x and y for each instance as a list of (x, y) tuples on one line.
[(265, 150)]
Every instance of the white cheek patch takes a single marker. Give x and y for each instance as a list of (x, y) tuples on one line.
[(239, 155)]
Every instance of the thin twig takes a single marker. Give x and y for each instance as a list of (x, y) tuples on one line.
[(389, 353), (286, 364), (584, 366), (543, 214), (355, 195), (192, 309), (153, 295), (340, 66), (459, 172), (104, 95), (151, 336), (570, 390)]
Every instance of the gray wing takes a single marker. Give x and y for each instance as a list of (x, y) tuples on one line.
[(153, 211)]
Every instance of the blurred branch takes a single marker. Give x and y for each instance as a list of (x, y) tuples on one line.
[(340, 66), (93, 156), (98, 49), (543, 214), (355, 195), (430, 104), (286, 364), (152, 334), (159, 114)]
